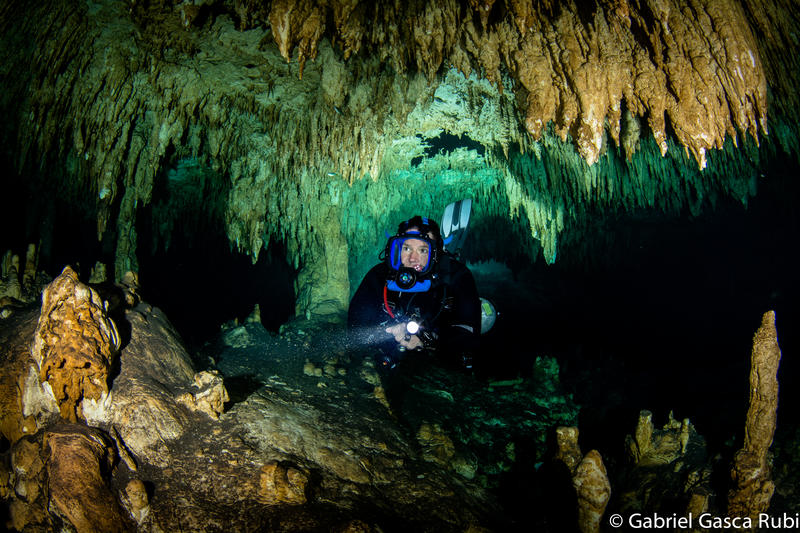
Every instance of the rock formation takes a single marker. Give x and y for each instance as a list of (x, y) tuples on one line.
[(20, 284), (245, 119), (78, 460), (569, 452), (642, 442), (560, 57), (593, 490), (589, 479), (208, 394), (651, 446), (160, 449), (752, 468), (75, 344), (666, 464), (281, 484)]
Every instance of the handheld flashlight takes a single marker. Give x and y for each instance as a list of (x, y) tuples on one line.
[(412, 327)]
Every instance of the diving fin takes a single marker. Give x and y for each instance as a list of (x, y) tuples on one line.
[(454, 224)]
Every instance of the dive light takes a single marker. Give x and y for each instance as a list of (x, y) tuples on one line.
[(412, 328)]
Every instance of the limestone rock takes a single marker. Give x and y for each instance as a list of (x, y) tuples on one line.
[(666, 464), (298, 23), (29, 274), (254, 467), (642, 441), (379, 393), (281, 484), (436, 445), (27, 464), (135, 500), (255, 316), (210, 395), (155, 370), (322, 286), (27, 492), (5, 480), (130, 288), (660, 446), (593, 490), (75, 343), (98, 274), (9, 277), (25, 404), (238, 337), (752, 469), (77, 459), (569, 452), (580, 80), (523, 70), (369, 374)]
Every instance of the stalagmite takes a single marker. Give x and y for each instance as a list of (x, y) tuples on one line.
[(642, 442), (29, 274), (9, 282), (589, 478), (74, 344), (593, 490), (752, 467), (568, 450)]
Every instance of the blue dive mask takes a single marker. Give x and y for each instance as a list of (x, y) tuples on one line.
[(408, 279)]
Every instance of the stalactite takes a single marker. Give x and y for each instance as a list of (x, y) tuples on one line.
[(560, 60), (568, 105)]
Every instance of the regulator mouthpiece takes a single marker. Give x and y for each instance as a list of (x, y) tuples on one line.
[(406, 278)]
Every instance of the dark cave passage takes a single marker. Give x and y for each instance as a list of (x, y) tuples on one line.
[(661, 319), (670, 327), (203, 284)]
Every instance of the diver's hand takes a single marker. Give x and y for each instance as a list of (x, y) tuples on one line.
[(401, 336)]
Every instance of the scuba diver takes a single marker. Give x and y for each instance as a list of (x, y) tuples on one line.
[(420, 298)]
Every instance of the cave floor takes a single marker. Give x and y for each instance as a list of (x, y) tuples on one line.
[(499, 426), (488, 434)]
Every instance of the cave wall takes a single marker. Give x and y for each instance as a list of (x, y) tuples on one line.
[(319, 125)]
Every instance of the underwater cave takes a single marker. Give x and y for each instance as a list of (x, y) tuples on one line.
[(220, 176)]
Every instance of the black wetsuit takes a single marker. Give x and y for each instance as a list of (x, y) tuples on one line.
[(450, 311)]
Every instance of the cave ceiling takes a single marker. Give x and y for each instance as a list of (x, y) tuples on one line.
[(319, 124)]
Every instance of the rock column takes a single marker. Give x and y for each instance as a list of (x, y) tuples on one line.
[(753, 486)]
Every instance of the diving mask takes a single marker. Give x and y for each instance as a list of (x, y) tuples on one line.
[(421, 252)]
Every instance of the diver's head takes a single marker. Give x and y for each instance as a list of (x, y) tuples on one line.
[(417, 246), (412, 254), (424, 226)]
